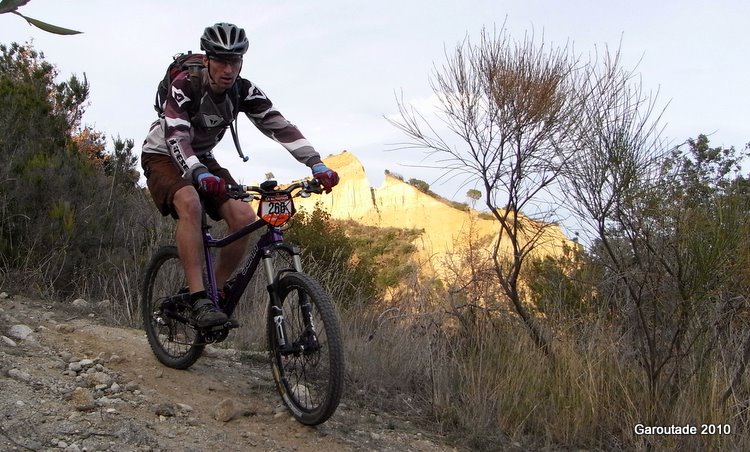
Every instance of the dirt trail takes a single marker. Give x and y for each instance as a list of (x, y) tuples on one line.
[(69, 382)]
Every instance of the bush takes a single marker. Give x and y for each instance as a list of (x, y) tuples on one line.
[(330, 255), (72, 218)]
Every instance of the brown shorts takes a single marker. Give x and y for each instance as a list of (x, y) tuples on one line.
[(163, 179)]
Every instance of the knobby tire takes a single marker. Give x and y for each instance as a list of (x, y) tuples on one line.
[(175, 343), (311, 381)]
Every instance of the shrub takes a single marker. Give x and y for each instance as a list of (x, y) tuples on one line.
[(329, 252)]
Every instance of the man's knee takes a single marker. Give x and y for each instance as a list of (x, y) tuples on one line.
[(237, 213), (187, 203)]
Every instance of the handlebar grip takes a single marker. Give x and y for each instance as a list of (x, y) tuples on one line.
[(314, 186), (238, 191)]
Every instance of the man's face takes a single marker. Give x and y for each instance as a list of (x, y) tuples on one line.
[(223, 72)]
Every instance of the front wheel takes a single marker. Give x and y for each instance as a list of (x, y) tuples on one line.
[(308, 364), (166, 312)]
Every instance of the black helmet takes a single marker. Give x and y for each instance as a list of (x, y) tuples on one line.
[(224, 40)]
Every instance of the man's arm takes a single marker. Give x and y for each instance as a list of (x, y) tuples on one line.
[(177, 127), (274, 125)]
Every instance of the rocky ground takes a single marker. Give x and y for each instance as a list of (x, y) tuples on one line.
[(69, 382)]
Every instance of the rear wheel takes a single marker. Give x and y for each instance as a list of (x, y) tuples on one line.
[(166, 309), (309, 367)]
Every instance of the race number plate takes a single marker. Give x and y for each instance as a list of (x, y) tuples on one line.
[(276, 210)]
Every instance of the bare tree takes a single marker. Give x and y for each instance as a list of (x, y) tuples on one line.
[(608, 185), (617, 140), (511, 106)]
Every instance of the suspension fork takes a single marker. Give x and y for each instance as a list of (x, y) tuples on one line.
[(277, 311), (308, 340)]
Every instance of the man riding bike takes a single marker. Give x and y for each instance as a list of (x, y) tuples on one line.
[(177, 156)]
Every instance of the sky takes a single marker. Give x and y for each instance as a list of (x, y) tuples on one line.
[(335, 68)]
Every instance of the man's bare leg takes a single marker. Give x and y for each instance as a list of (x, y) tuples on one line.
[(188, 236), (237, 214), (190, 248)]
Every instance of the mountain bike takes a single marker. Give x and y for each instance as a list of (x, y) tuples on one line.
[(302, 330)]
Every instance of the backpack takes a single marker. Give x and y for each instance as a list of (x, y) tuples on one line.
[(193, 63)]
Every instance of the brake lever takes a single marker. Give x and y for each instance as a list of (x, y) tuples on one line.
[(314, 186), (238, 192)]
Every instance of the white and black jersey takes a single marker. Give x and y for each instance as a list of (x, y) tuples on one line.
[(193, 123)]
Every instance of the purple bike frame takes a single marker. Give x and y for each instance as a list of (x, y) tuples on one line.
[(270, 240)]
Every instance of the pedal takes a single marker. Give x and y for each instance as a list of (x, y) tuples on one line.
[(215, 328), (229, 324)]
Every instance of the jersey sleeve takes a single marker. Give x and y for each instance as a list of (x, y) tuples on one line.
[(177, 126), (260, 110)]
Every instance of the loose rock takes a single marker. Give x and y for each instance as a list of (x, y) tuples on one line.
[(20, 332)]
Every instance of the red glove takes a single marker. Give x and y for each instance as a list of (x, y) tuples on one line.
[(212, 185), (328, 178)]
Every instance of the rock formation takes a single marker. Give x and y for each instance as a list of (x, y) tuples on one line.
[(399, 204)]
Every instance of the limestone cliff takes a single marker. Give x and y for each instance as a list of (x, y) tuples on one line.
[(399, 204)]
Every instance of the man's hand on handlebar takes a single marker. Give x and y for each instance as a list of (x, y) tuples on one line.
[(211, 185), (328, 178)]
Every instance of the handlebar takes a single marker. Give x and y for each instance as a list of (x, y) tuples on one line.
[(303, 188)]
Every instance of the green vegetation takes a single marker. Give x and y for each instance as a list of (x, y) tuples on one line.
[(392, 174), (388, 251), (369, 259), (327, 248), (71, 214), (421, 185)]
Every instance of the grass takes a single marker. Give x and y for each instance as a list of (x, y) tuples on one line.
[(492, 387)]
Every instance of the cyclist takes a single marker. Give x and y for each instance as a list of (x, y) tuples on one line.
[(177, 157)]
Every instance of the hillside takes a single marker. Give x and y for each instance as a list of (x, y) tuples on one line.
[(399, 204)]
